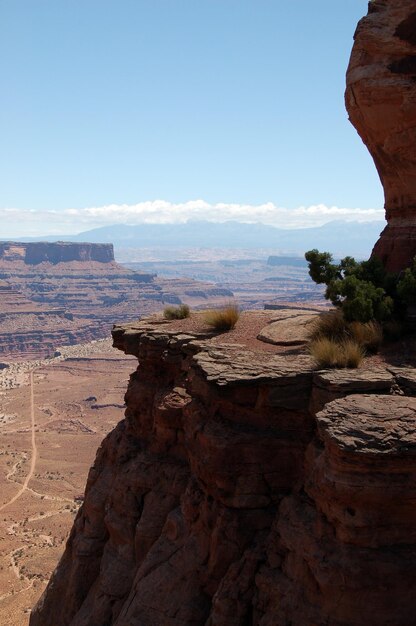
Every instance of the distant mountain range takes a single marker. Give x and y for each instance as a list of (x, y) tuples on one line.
[(339, 237)]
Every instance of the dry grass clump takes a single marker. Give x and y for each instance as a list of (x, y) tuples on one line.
[(368, 335), (331, 325), (176, 312), (222, 319), (334, 342), (352, 353), (330, 353), (325, 351)]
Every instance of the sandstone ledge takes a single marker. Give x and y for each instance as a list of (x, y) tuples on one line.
[(225, 497)]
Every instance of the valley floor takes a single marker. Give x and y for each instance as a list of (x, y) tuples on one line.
[(53, 415)]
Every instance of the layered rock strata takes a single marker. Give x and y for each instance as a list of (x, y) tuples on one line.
[(244, 488), (83, 282), (381, 102), (29, 330)]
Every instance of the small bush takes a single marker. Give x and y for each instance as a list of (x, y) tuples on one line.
[(352, 353), (325, 351), (406, 287), (331, 325), (329, 353), (369, 335), (364, 291), (222, 319), (176, 312)]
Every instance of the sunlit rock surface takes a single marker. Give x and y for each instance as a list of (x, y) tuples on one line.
[(381, 102)]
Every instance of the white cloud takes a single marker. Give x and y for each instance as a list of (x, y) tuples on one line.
[(29, 222)]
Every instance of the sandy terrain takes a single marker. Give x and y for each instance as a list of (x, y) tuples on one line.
[(53, 416)]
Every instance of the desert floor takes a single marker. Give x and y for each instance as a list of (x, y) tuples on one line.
[(53, 416)]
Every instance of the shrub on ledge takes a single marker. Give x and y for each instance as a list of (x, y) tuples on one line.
[(369, 335), (222, 319), (176, 312), (332, 325), (364, 291), (329, 353)]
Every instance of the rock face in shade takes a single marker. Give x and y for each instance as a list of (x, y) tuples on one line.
[(381, 102), (224, 499)]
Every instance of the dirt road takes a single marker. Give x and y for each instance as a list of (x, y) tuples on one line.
[(34, 448)]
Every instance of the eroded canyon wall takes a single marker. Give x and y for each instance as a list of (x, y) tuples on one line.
[(243, 488), (54, 294), (381, 102)]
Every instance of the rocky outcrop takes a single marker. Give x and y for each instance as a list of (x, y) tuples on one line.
[(380, 99), (60, 252), (243, 488), (346, 541), (290, 327)]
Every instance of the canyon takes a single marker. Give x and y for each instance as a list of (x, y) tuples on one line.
[(255, 282), (54, 303), (245, 487), (62, 293)]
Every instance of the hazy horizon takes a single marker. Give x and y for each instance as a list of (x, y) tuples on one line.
[(29, 223), (135, 112)]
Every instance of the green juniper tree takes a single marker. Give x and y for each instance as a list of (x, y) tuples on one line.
[(364, 291)]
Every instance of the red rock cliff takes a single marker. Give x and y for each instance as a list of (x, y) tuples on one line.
[(243, 488), (381, 102)]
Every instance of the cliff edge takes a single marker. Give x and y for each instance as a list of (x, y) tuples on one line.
[(244, 488), (54, 253)]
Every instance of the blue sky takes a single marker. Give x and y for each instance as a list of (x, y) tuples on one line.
[(110, 105)]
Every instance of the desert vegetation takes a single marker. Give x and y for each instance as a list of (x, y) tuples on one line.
[(334, 342), (176, 312), (370, 304), (222, 319), (364, 291), (341, 354), (334, 326)]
